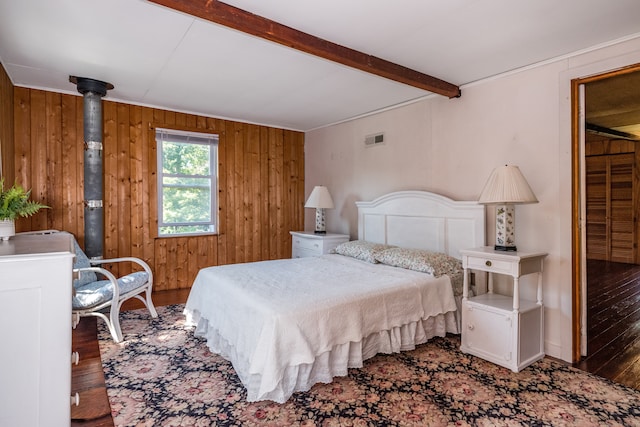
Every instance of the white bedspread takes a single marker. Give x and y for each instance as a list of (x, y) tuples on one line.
[(275, 320)]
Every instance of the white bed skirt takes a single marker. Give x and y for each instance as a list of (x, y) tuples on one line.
[(330, 364)]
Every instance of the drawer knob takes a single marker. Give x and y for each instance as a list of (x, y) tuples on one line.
[(75, 399), (75, 319), (488, 263), (470, 326)]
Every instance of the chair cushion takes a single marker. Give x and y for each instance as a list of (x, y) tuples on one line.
[(95, 293), (82, 261)]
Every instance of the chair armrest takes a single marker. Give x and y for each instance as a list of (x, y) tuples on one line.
[(134, 260)]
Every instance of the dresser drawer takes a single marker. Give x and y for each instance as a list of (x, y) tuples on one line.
[(490, 265), (311, 244), (299, 252)]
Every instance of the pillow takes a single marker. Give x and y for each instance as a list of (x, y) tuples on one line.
[(434, 263), (360, 249)]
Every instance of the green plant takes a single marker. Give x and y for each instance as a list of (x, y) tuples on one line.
[(14, 202)]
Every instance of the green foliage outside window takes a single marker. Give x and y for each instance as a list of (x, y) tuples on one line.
[(185, 159)]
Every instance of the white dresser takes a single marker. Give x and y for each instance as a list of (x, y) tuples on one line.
[(35, 330), (506, 330), (308, 243)]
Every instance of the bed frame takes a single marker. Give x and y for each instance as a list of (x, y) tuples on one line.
[(422, 220)]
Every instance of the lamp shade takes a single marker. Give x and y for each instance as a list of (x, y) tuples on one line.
[(319, 198), (507, 185)]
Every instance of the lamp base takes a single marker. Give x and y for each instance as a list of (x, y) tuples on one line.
[(320, 228), (505, 228)]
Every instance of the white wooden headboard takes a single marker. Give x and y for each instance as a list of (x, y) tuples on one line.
[(422, 220)]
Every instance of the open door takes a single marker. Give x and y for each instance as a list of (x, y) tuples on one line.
[(605, 182)]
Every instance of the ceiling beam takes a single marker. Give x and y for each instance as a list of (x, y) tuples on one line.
[(246, 22), (601, 130)]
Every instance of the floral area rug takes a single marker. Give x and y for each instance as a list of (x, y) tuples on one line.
[(161, 375)]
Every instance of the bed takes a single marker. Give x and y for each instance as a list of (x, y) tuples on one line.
[(288, 324)]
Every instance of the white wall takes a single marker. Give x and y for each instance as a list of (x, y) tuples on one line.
[(450, 146)]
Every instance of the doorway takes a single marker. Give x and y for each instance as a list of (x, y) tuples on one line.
[(606, 204)]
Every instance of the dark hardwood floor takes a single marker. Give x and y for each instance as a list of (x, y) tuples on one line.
[(614, 338), (613, 325), (87, 378)]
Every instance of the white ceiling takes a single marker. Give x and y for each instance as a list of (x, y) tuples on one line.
[(158, 57)]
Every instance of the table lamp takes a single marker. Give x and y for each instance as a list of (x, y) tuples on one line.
[(321, 200), (505, 188)]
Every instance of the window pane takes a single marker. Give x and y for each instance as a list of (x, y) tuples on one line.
[(185, 159), (186, 200)]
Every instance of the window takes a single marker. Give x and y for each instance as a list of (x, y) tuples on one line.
[(187, 182)]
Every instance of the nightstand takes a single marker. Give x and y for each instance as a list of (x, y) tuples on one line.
[(308, 243), (505, 330)]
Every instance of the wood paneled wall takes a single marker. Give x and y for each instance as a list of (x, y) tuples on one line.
[(6, 127), (260, 178), (612, 168)]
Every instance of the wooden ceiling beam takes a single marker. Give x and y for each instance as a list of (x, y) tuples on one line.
[(246, 22)]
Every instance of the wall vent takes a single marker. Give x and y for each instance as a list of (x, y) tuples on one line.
[(375, 139)]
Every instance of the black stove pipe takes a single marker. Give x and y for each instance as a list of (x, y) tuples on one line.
[(92, 91)]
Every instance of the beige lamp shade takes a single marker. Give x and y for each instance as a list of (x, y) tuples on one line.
[(319, 198), (507, 185)]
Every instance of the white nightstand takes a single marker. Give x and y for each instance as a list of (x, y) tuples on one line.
[(508, 331), (308, 243)]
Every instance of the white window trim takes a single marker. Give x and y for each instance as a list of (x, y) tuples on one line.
[(214, 141)]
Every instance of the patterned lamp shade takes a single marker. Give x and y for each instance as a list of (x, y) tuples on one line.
[(321, 200), (506, 187)]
